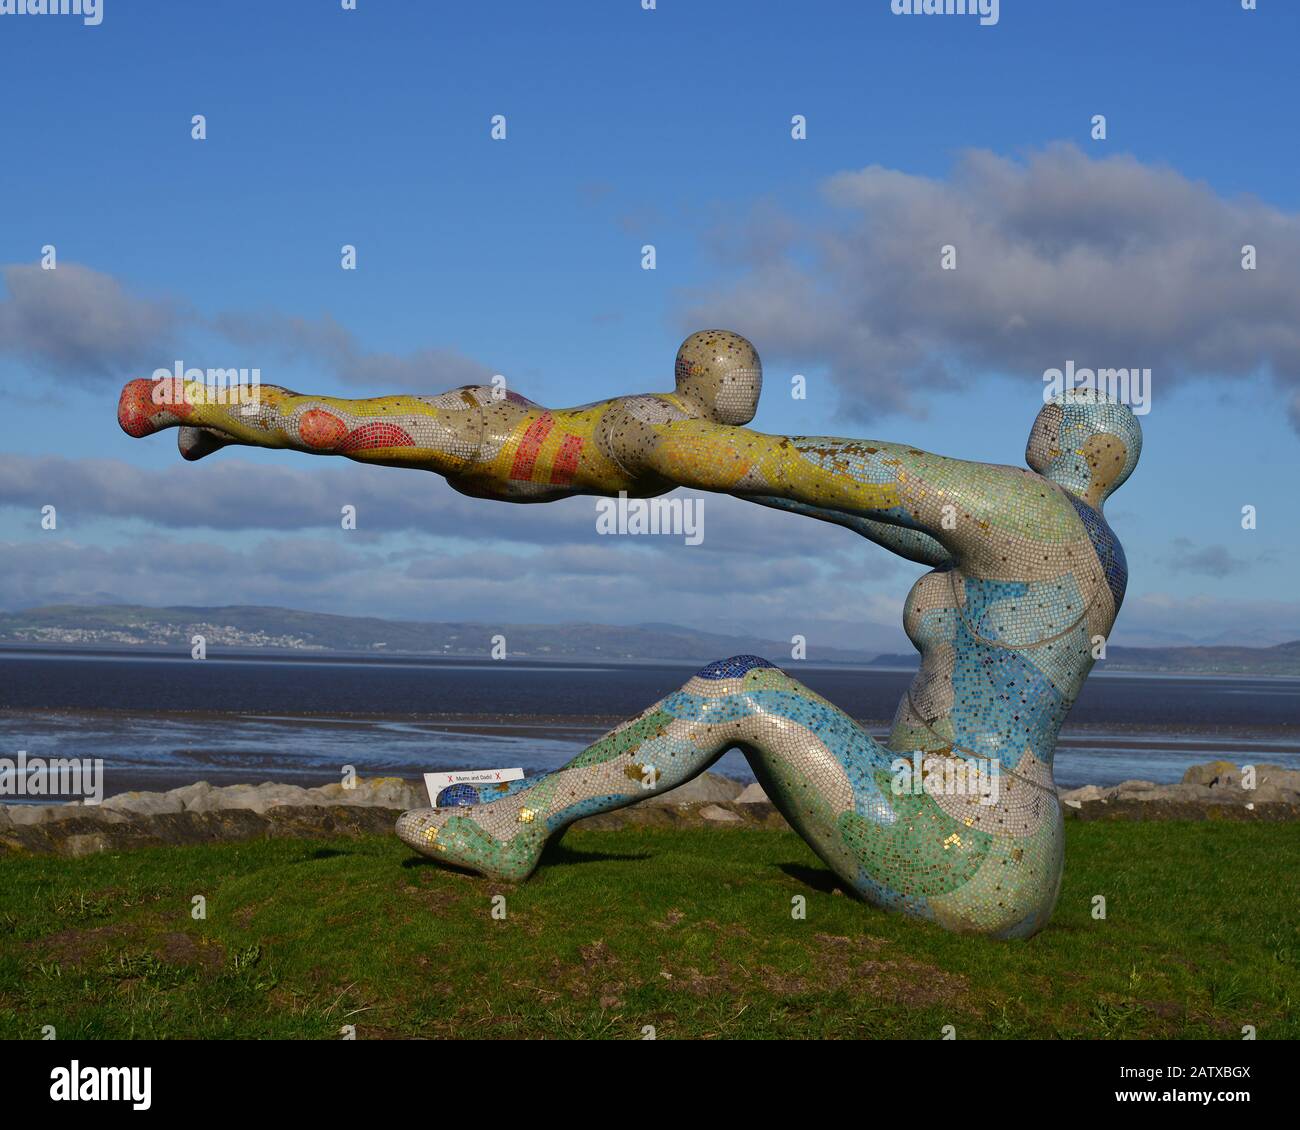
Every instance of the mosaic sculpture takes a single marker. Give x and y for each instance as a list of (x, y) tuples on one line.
[(1025, 580)]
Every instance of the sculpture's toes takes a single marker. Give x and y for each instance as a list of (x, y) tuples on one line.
[(195, 443), (419, 829)]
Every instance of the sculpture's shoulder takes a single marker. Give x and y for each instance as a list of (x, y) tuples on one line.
[(1106, 544), (1013, 511)]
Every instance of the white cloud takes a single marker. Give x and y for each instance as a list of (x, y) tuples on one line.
[(83, 324), (1105, 261), (1159, 619), (80, 323)]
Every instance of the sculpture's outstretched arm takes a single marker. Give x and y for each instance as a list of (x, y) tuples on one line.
[(951, 501), (902, 540)]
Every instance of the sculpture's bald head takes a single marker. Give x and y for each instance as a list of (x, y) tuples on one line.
[(1085, 441), (720, 372)]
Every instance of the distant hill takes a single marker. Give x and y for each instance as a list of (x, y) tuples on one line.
[(252, 626), (244, 627), (1283, 659)]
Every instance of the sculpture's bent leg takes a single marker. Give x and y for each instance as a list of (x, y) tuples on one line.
[(981, 868)]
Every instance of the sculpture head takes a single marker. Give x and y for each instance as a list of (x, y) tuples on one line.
[(1086, 442), (720, 373)]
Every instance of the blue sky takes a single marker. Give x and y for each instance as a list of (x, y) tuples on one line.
[(522, 257)]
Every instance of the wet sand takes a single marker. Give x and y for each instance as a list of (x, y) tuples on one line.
[(163, 750)]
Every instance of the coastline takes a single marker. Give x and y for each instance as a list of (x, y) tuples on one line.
[(36, 649), (168, 749)]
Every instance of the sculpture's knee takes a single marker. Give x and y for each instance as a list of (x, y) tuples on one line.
[(737, 667)]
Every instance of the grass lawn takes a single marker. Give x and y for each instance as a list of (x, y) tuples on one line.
[(688, 931)]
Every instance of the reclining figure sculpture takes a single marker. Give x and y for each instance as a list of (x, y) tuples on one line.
[(1025, 579)]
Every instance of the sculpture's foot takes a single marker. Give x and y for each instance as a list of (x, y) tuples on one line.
[(502, 840), (139, 413)]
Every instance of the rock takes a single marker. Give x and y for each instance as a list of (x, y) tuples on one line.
[(1206, 791), (20, 814), (707, 788), (1206, 774), (1075, 797), (146, 804), (188, 794), (393, 792), (1286, 779), (752, 794), (1166, 793), (85, 844), (1127, 808), (385, 792), (272, 795), (1272, 782), (232, 796), (1268, 794), (718, 815), (101, 815), (1131, 787), (256, 798), (1187, 791), (1142, 791)]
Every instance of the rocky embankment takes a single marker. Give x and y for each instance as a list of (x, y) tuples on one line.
[(202, 813), (1208, 791)]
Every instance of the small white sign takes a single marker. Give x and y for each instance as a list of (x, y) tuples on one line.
[(436, 782)]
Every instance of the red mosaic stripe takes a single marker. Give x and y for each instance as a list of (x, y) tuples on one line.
[(566, 460), (530, 445), (376, 435)]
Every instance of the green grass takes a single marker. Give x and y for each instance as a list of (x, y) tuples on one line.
[(687, 931)]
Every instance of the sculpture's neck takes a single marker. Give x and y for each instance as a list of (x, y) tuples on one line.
[(1091, 496)]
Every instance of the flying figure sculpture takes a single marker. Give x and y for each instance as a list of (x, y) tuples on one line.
[(1025, 576)]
